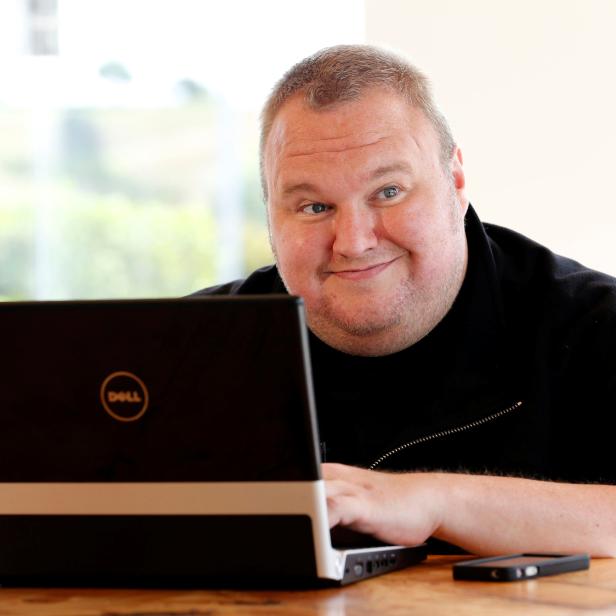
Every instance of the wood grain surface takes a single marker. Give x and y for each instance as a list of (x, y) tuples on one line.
[(424, 589)]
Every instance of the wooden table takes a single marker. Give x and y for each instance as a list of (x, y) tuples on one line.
[(424, 589)]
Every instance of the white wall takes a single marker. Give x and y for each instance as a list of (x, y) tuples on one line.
[(530, 91)]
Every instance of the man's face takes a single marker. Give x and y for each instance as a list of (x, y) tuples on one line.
[(365, 223)]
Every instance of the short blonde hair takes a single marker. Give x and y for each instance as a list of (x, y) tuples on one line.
[(342, 74)]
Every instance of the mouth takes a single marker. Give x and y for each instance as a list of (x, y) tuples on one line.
[(363, 273)]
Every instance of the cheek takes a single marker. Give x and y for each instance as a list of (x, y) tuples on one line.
[(300, 251), (404, 228), (425, 233)]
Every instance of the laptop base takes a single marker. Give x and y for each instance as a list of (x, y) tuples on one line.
[(169, 551)]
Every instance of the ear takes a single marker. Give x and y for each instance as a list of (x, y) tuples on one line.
[(459, 181)]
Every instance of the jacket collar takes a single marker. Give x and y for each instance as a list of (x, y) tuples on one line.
[(484, 374)]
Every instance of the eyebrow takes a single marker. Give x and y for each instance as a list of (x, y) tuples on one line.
[(302, 187), (373, 175), (387, 169)]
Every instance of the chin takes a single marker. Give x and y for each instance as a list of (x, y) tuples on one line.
[(380, 327), (363, 334), (375, 345)]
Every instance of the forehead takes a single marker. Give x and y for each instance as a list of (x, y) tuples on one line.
[(377, 126)]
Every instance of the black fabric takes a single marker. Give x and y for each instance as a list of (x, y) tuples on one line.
[(528, 326)]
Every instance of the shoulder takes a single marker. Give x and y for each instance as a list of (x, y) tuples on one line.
[(558, 286), (264, 280), (562, 318)]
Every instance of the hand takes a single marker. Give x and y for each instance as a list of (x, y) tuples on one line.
[(398, 508)]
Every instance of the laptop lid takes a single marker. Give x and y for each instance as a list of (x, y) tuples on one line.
[(159, 442)]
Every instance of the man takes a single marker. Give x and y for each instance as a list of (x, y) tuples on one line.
[(472, 359)]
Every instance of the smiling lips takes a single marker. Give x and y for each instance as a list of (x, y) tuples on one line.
[(363, 273)]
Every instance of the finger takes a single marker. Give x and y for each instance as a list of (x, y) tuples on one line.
[(339, 487), (347, 503), (344, 510)]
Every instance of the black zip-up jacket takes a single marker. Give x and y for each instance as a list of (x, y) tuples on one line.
[(519, 378)]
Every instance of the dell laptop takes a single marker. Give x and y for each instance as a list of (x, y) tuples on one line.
[(165, 443)]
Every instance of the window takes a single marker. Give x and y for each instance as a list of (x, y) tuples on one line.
[(128, 163)]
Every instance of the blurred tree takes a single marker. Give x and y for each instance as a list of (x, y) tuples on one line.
[(110, 246), (114, 71), (81, 150), (190, 91)]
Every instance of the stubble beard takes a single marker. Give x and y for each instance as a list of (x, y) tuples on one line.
[(371, 320), (410, 315)]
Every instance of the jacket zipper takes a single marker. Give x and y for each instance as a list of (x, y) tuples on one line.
[(443, 433)]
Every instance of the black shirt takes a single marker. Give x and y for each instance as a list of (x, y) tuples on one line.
[(518, 378)]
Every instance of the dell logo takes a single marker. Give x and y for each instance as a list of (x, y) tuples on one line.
[(124, 396)]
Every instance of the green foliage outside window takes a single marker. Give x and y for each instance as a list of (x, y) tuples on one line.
[(110, 246), (128, 204)]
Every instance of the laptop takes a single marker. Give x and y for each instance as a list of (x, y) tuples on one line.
[(165, 443)]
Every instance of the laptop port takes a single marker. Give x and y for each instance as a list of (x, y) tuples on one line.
[(369, 567)]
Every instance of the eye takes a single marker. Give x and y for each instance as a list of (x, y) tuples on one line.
[(315, 208), (390, 192)]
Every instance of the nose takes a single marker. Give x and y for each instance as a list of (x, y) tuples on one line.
[(355, 231)]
